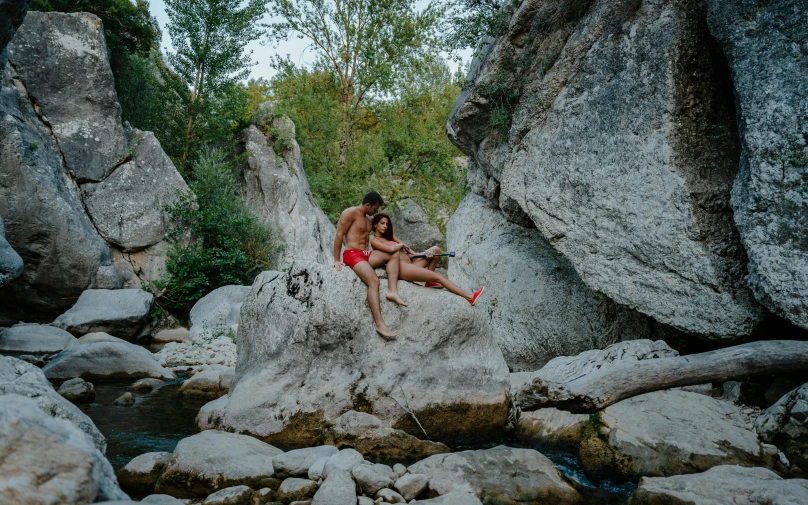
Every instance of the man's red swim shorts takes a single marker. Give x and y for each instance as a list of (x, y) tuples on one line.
[(352, 257)]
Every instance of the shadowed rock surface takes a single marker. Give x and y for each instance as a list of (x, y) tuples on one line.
[(786, 424), (35, 338), (764, 46), (11, 265), (123, 312), (308, 351), (411, 226)]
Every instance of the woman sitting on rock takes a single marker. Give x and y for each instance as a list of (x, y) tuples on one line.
[(420, 269)]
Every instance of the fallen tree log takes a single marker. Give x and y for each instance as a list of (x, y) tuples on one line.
[(610, 384)]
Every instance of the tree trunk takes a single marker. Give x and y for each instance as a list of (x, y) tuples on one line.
[(609, 385)]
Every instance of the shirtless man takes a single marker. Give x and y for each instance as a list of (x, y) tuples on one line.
[(355, 226)]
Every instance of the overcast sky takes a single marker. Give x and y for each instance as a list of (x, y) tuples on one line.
[(296, 48)]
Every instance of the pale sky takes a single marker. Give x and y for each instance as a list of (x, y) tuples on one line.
[(297, 49)]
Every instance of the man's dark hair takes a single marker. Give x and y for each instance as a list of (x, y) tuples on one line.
[(373, 198)]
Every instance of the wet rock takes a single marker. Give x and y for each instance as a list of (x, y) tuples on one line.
[(668, 433), (33, 444), (236, 495), (280, 393), (622, 152), (297, 462), (98, 336), (345, 459), (35, 338), (411, 485), (552, 427), (123, 312), (105, 360), (49, 52), (364, 432), (294, 489), (146, 385), (141, 473), (562, 369), (214, 460), (19, 377), (77, 391), (453, 498), (722, 484), (275, 187), (389, 496), (172, 335), (125, 400), (127, 207), (769, 195), (786, 424), (411, 225), (372, 478), (208, 383), (11, 265), (502, 474), (217, 313), (536, 304), (337, 489)]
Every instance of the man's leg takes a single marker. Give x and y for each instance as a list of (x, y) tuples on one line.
[(365, 272), (377, 259)]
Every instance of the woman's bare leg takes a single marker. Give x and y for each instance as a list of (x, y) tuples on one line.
[(430, 263), (410, 272)]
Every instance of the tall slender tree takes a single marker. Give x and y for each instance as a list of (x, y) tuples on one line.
[(365, 43), (209, 37)]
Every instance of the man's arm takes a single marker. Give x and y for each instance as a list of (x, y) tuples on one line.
[(345, 221)]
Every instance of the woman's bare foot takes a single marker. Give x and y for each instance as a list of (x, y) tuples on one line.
[(394, 297), (385, 332)]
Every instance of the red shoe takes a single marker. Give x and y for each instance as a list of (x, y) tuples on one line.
[(433, 285), (476, 295)]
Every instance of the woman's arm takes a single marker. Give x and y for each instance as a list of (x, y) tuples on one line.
[(406, 247), (382, 245)]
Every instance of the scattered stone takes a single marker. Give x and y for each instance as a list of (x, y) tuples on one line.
[(123, 312), (453, 498), (271, 483), (411, 485), (173, 335), (77, 391), (217, 313), (264, 496), (412, 226), (98, 336), (221, 351), (722, 484), (370, 479), (161, 499), (49, 460), (345, 459), (297, 462), (125, 400), (668, 433), (364, 433), (399, 470), (501, 474), (105, 360), (236, 495), (390, 496), (302, 502), (315, 473), (19, 377), (294, 489), (786, 424), (744, 393), (281, 395), (337, 489), (364, 500), (141, 473), (208, 383), (35, 338), (213, 460), (556, 428), (146, 385)]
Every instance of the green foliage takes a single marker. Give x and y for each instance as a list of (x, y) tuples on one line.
[(470, 20), (34, 147), (227, 244)]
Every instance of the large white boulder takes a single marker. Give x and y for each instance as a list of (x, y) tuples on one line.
[(411, 226), (35, 338), (669, 433), (49, 460), (121, 312), (308, 352), (105, 360), (213, 460), (217, 313)]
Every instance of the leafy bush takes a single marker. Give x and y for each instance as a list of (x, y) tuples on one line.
[(216, 241)]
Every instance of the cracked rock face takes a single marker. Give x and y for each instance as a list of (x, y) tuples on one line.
[(62, 58), (622, 151), (276, 189), (766, 48), (307, 352)]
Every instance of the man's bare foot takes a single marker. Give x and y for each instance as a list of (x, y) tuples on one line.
[(394, 297), (385, 332)]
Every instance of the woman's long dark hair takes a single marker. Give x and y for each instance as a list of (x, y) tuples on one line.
[(388, 233)]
